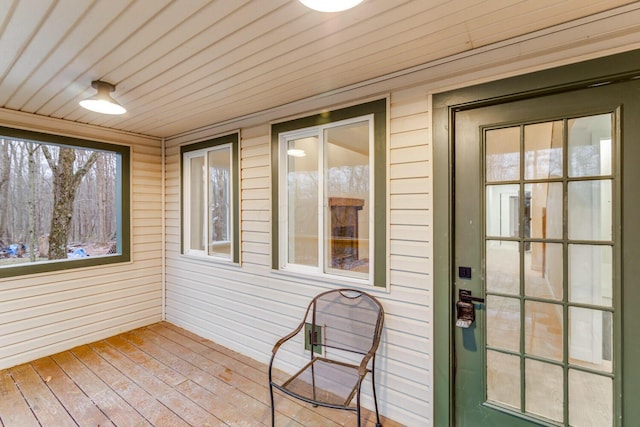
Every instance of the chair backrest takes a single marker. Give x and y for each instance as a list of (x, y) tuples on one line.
[(351, 320)]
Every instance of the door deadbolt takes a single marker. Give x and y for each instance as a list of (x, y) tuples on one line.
[(465, 311)]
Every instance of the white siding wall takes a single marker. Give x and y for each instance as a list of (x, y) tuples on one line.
[(46, 313), (408, 306), (247, 308)]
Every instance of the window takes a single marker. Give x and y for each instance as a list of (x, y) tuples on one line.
[(210, 199), (64, 203), (330, 194)]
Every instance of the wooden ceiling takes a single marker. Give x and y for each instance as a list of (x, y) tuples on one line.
[(184, 64)]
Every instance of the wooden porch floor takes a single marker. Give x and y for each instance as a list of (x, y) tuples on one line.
[(158, 375)]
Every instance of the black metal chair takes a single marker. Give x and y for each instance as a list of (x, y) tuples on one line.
[(343, 329)]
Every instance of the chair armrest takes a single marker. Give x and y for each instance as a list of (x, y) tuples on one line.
[(364, 363), (286, 338), (291, 334), (277, 345)]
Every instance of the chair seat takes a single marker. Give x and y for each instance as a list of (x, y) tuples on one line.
[(325, 382)]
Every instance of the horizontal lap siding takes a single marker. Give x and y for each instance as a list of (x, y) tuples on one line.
[(46, 313), (408, 306), (256, 197), (248, 307)]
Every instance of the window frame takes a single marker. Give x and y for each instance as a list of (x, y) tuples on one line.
[(123, 204), (187, 152), (377, 110)]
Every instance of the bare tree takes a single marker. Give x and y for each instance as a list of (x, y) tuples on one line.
[(65, 186), (33, 239), (102, 200), (5, 175), (18, 215)]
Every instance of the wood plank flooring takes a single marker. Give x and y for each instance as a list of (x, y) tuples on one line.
[(160, 375)]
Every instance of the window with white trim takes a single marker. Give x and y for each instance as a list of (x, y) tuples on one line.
[(331, 194), (210, 199)]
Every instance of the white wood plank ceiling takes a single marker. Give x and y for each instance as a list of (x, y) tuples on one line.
[(183, 64)]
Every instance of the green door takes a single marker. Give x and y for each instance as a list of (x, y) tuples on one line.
[(545, 209)]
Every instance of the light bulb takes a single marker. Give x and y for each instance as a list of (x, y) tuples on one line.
[(330, 5)]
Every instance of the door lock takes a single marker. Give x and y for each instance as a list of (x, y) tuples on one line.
[(465, 311)]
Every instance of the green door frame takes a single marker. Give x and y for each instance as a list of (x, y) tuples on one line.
[(445, 105)]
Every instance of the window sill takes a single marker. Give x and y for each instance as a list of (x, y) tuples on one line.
[(340, 281), (210, 260)]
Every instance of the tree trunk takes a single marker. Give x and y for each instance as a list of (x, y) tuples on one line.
[(5, 169), (33, 240), (101, 211), (65, 186)]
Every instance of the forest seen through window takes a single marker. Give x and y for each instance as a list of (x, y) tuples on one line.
[(57, 202)]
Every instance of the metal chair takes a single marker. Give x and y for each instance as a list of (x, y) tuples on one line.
[(343, 329)]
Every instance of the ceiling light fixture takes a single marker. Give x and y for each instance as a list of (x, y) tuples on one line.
[(102, 102), (330, 5)]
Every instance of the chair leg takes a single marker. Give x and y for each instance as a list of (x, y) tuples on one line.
[(375, 398), (273, 409), (358, 404)]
